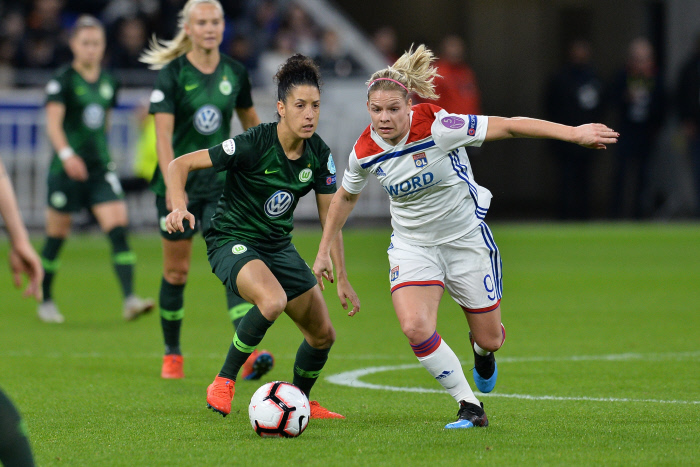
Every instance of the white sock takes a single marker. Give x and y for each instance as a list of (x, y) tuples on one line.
[(480, 351), (444, 366)]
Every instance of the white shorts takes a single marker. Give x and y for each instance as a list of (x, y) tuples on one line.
[(468, 267)]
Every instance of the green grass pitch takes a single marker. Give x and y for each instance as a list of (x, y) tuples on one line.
[(601, 364)]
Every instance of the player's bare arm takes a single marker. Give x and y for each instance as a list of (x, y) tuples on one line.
[(340, 208), (592, 135), (337, 255), (73, 165), (249, 117), (178, 169)]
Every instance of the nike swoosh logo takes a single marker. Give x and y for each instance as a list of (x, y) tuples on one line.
[(190, 87), (267, 172)]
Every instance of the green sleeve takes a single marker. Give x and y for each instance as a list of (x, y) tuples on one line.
[(164, 92), (245, 100), (234, 153), (324, 182), (117, 86), (56, 89)]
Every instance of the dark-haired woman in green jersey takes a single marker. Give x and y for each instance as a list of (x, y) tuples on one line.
[(193, 101), (81, 175), (268, 169)]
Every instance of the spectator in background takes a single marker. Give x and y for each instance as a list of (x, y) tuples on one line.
[(574, 97), (689, 111), (243, 50), (385, 41), (262, 28), (639, 98), (131, 39), (303, 30), (44, 43), (458, 89), (333, 60), (270, 60)]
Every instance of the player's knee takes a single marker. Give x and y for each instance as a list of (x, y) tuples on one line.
[(176, 276), (324, 339), (273, 305), (416, 333), (490, 342)]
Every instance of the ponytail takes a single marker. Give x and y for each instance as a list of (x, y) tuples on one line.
[(161, 53), (412, 72)]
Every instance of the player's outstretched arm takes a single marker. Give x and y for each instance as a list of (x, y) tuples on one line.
[(592, 135), (178, 169)]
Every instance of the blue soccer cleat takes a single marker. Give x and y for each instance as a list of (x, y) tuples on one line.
[(258, 364), (469, 415), (486, 366)]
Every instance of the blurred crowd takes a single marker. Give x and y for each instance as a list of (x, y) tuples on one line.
[(263, 33), (259, 33), (639, 100)]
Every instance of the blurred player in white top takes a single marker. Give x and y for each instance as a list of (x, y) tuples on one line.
[(440, 240)]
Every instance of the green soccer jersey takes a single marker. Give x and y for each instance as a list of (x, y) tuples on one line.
[(203, 106), (263, 186), (87, 105)]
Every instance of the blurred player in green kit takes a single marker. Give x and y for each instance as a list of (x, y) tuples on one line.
[(192, 102), (79, 99)]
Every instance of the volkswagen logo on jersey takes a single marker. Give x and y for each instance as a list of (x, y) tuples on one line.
[(452, 122), (207, 119), (278, 203), (420, 160), (93, 116)]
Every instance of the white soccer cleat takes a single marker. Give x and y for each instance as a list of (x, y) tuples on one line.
[(48, 312), (135, 306)]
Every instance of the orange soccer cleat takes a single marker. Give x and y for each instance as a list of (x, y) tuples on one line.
[(220, 395), (321, 412), (172, 367)]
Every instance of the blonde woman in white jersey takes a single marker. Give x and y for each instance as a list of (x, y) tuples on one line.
[(440, 241)]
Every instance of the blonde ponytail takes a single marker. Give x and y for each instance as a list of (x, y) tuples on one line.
[(160, 53), (412, 72)]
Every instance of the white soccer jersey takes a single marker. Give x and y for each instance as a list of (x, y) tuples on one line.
[(434, 197)]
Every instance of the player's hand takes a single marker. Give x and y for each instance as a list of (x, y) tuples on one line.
[(174, 221), (595, 135), (75, 168), (323, 269), (345, 293), (25, 261)]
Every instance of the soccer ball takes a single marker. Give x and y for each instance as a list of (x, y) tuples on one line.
[(279, 409)]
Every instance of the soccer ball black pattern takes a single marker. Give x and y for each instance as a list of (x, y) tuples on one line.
[(279, 409)]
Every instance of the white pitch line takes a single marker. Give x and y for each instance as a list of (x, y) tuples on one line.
[(352, 379)]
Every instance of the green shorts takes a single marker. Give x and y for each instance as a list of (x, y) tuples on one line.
[(202, 209), (293, 274), (68, 195)]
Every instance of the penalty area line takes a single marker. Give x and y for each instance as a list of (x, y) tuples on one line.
[(352, 379)]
